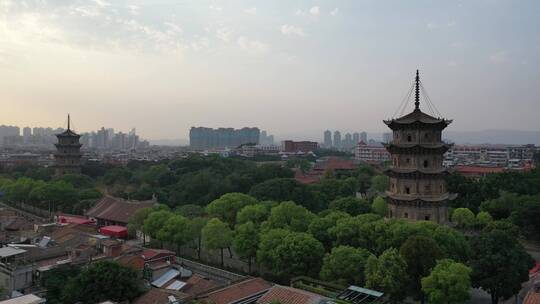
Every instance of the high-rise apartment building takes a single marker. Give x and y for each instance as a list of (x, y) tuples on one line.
[(337, 139), (363, 137), (327, 139), (356, 138), (201, 138)]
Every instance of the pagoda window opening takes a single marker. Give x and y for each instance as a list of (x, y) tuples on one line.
[(406, 215), (408, 161), (441, 188), (426, 163), (407, 190), (409, 138), (426, 217), (392, 185)]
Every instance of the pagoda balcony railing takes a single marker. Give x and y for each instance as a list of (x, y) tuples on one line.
[(412, 196), (413, 169), (424, 143)]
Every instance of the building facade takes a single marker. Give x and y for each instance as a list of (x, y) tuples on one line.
[(207, 138), (299, 146), (417, 188), (68, 152), (327, 139), (370, 154)]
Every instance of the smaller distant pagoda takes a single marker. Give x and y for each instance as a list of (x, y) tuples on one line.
[(68, 152)]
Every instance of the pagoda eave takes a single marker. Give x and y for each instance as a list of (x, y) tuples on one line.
[(416, 173), (417, 148)]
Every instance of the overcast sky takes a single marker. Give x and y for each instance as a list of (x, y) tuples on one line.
[(290, 67)]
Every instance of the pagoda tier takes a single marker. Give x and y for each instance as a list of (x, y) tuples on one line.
[(401, 148), (416, 173), (407, 198), (419, 200)]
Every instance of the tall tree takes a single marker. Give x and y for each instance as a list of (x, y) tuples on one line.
[(499, 264), (246, 241), (345, 265), (448, 283), (155, 221), (136, 222), (421, 254), (195, 230), (176, 231), (388, 273), (217, 235)]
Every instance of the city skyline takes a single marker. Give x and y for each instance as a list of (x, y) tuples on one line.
[(167, 66)]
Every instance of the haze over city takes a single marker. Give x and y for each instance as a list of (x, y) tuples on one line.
[(164, 66)]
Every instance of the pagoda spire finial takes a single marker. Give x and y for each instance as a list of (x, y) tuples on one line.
[(68, 121), (417, 91)]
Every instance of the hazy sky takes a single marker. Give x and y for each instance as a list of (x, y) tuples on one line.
[(291, 67)]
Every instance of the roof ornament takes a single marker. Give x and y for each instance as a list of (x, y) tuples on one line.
[(68, 122), (417, 91)]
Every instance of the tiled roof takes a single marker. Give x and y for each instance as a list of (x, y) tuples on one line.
[(149, 254), (238, 291), (532, 297), (117, 210), (289, 295), (154, 296), (133, 261), (196, 285), (417, 115), (71, 231)]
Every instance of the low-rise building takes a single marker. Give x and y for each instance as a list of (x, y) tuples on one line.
[(290, 146), (371, 153), (116, 211)]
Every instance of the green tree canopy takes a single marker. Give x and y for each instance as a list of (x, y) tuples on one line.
[(388, 273), (321, 225), (226, 207), (463, 218), (379, 206), (449, 282), (345, 265), (420, 254), (294, 254), (155, 221), (102, 281), (246, 241), (351, 205), (290, 216), (176, 231), (256, 213), (499, 264), (379, 183), (217, 235), (483, 218)]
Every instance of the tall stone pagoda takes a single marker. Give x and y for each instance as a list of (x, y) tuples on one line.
[(68, 152), (417, 189)]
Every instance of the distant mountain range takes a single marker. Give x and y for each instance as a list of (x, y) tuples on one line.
[(509, 137)]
